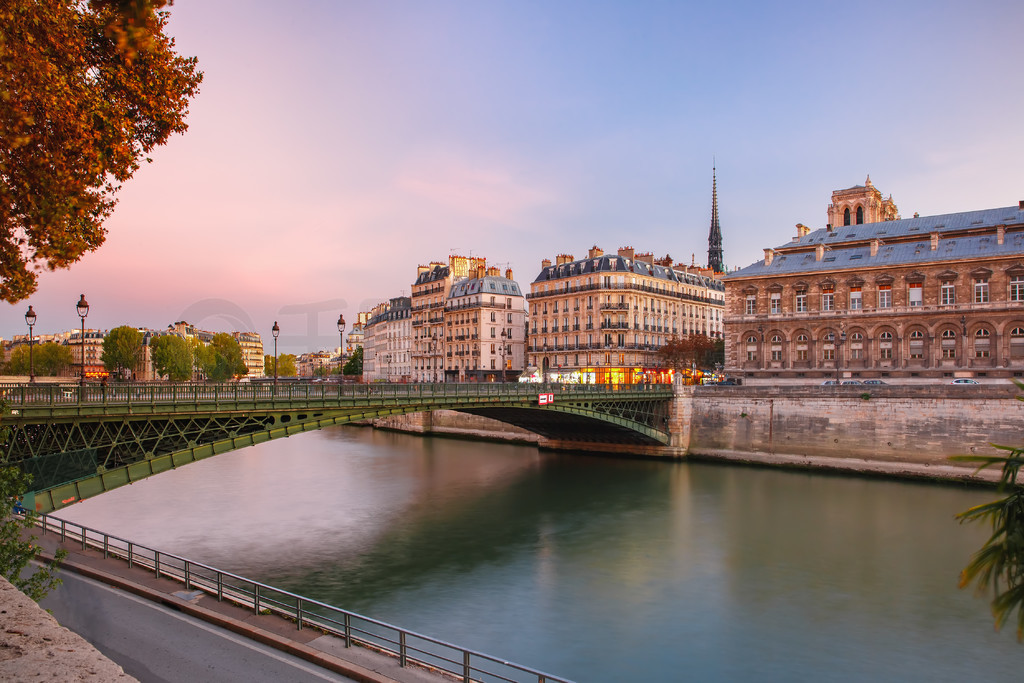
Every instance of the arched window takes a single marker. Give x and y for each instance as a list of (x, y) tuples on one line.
[(776, 339), (948, 343), (1017, 342), (752, 348), (856, 346), (982, 343), (885, 346), (917, 345), (801, 347), (860, 215), (846, 216)]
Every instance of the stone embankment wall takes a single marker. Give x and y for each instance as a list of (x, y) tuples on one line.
[(893, 430), (909, 430), (452, 423)]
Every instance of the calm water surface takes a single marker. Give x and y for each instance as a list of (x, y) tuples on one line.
[(592, 568)]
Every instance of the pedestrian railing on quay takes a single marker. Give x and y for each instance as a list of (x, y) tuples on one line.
[(192, 392), (409, 647)]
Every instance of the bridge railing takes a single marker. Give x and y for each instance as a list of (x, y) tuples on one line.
[(409, 647), (194, 392)]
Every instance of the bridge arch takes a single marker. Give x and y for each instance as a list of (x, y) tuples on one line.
[(79, 442)]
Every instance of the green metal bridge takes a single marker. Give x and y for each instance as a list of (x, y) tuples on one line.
[(80, 441)]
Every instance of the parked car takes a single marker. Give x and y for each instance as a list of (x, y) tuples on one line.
[(874, 381), (829, 383), (965, 380), (850, 381), (728, 382)]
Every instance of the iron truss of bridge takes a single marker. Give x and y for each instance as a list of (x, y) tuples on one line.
[(80, 441)]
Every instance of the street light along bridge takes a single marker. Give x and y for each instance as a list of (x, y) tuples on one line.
[(80, 441)]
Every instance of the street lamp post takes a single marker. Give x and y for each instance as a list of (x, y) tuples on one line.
[(275, 330), (840, 340), (963, 350), (504, 350), (30, 319), (83, 310), (341, 342), (434, 355)]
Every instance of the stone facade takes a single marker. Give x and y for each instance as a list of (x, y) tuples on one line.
[(860, 204), (603, 318), (387, 337), (429, 294), (485, 328), (937, 296)]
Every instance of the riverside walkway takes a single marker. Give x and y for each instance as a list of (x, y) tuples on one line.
[(343, 642)]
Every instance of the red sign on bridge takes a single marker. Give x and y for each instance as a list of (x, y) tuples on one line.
[(544, 399)]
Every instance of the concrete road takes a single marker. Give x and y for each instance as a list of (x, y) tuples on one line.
[(156, 644)]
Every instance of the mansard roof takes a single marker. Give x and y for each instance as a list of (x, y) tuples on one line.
[(438, 272), (610, 263), (961, 236), (489, 284)]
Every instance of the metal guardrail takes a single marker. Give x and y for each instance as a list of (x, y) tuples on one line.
[(158, 392), (409, 647)]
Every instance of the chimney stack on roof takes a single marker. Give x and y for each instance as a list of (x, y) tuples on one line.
[(802, 230), (595, 252), (546, 263), (508, 273), (626, 252)]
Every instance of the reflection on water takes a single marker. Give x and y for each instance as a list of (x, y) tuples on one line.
[(592, 568)]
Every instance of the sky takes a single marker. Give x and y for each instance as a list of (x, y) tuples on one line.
[(335, 145)]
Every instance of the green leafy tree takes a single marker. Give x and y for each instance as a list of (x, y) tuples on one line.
[(354, 365), (122, 350), (49, 359), (285, 365), (999, 565), (682, 353), (53, 360), (18, 363), (172, 357), (225, 359), (16, 550), (87, 91), (202, 357)]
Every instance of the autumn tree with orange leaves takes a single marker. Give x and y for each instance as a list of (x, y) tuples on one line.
[(681, 353), (87, 90)]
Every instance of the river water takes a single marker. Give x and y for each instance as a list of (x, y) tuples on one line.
[(592, 568)]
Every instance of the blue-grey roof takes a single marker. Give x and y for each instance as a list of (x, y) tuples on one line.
[(432, 274), (489, 284), (849, 246), (610, 263)]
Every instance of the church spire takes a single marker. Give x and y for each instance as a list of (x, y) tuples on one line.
[(715, 235)]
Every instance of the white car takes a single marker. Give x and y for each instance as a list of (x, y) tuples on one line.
[(965, 380)]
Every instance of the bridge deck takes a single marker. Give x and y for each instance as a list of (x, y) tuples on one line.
[(78, 441)]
